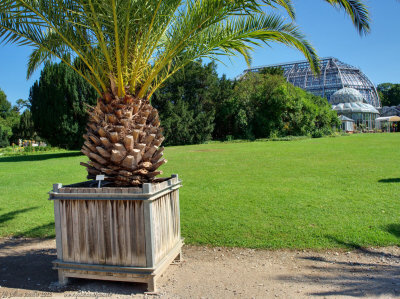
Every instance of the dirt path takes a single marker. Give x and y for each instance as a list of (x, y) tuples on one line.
[(25, 271)]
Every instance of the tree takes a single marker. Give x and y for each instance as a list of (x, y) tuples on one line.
[(178, 122), (393, 96), (186, 104), (9, 116), (128, 49), (267, 106), (25, 128), (223, 109), (389, 94), (58, 108), (5, 106), (272, 71), (21, 104), (3, 137)]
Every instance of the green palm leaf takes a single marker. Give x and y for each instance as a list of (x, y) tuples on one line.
[(141, 43), (358, 12)]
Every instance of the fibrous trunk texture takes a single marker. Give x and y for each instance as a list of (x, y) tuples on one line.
[(123, 140)]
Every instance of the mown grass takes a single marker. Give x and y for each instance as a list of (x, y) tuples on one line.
[(312, 193)]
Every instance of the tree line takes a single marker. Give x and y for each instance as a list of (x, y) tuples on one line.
[(389, 94), (195, 106), (13, 123)]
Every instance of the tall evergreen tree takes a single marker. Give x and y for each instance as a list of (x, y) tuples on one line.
[(25, 128), (3, 137), (58, 108), (5, 105), (186, 103), (223, 109)]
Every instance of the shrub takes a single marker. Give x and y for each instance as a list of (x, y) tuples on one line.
[(266, 106)]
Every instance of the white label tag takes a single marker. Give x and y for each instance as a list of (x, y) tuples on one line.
[(100, 177)]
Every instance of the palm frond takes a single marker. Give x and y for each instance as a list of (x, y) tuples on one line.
[(238, 36), (286, 4), (141, 43), (357, 11)]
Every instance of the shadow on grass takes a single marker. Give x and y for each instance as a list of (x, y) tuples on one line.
[(391, 180), (355, 246), (378, 277), (26, 269), (40, 157), (348, 245), (42, 231), (10, 215), (393, 229)]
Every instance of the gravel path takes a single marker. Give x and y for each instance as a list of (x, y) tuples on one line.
[(25, 271)]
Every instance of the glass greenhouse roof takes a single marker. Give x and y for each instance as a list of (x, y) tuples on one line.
[(335, 75), (346, 95), (354, 108)]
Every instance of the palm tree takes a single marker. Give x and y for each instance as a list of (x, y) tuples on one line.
[(126, 49)]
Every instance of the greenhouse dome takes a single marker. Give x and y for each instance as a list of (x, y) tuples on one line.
[(335, 75), (350, 103), (346, 95)]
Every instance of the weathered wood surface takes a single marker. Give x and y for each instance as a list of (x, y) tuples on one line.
[(141, 233), (118, 273), (107, 193), (166, 224), (103, 232), (155, 187)]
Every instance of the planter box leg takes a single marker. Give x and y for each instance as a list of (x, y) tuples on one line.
[(179, 257), (62, 279), (151, 285)]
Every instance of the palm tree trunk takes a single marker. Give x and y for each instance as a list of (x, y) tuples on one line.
[(123, 140)]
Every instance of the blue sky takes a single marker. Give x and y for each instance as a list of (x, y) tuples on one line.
[(329, 30)]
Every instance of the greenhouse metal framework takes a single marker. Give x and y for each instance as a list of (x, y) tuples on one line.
[(334, 76)]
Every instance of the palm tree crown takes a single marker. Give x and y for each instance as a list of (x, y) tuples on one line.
[(140, 43)]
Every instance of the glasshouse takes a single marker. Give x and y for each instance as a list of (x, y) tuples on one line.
[(334, 76), (350, 103), (388, 123), (347, 124)]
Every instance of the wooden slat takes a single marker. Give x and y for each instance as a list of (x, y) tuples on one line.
[(120, 232), (91, 233), (140, 258), (107, 212), (75, 230), (64, 232), (70, 232), (127, 234), (57, 223), (114, 233), (100, 232), (149, 234), (133, 233)]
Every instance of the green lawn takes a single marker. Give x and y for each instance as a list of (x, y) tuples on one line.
[(313, 193)]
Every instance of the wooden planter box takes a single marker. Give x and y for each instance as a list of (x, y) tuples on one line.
[(124, 234)]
